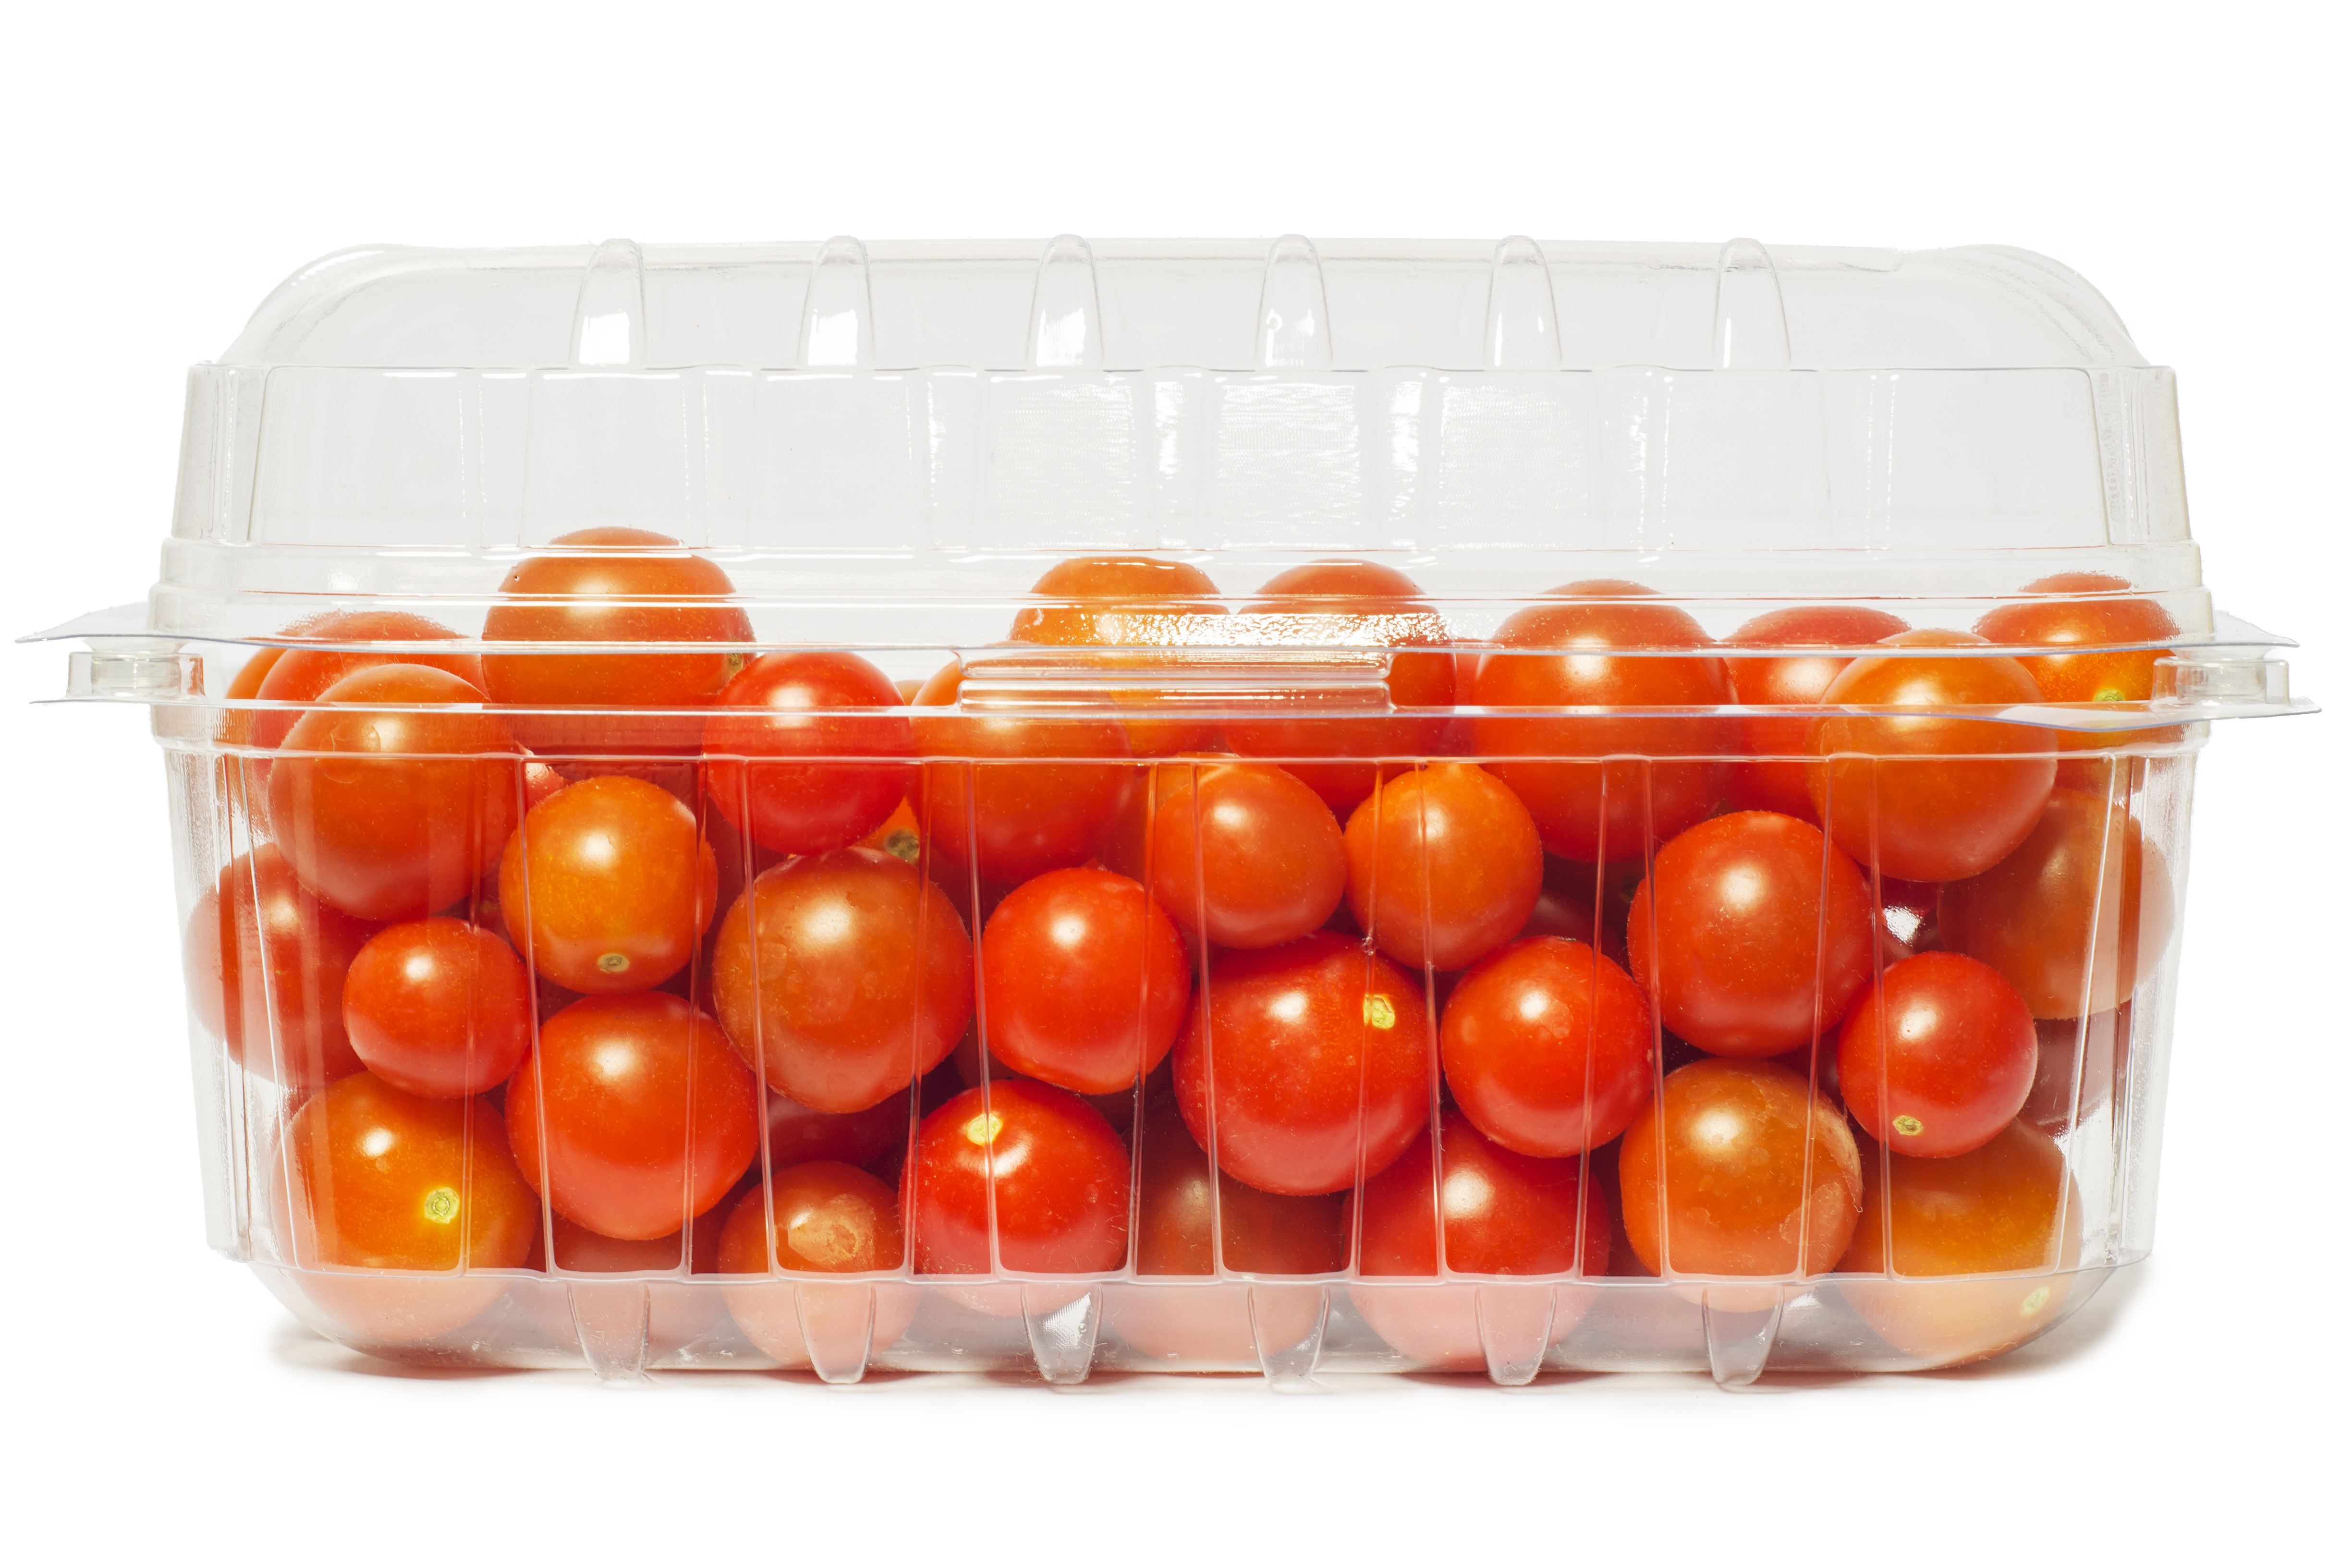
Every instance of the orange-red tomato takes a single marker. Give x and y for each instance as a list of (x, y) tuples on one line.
[(2088, 608), (438, 1008), (793, 797), (1040, 1161), (1935, 798), (1938, 1057), (1131, 602), (243, 782), (1247, 855), (825, 1217), (1547, 1047), (1753, 934), (648, 1116), (390, 814), (1443, 866), (843, 976), (266, 964), (1350, 604), (303, 675), (1605, 650), (1084, 981), (2075, 917), (2079, 1065), (1716, 1178), (1773, 776), (1024, 795), (617, 882), (384, 1180), (2007, 1207)]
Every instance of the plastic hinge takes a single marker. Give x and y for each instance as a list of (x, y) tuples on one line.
[(837, 317), (1065, 310), (608, 325), (1293, 320), (1061, 1331), (1291, 1366), (1751, 323), (132, 674), (1522, 317)]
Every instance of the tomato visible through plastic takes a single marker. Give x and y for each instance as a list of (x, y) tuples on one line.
[(1045, 1160), (786, 791), (1247, 855), (1084, 980), (1939, 1056), (617, 885), (1443, 866), (438, 1008)]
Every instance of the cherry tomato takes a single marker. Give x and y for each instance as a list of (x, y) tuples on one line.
[(1505, 1213), (1247, 855), (1931, 798), (1350, 604), (1753, 934), (1603, 652), (619, 586), (2079, 1064), (1773, 776), (1444, 865), (824, 1218), (2005, 1207), (380, 1180), (1940, 1055), (1133, 601), (670, 1316), (797, 1134), (1320, 1065), (844, 976), (617, 882), (1058, 1176), (795, 803), (1126, 845), (266, 964), (649, 1116), (1547, 1047), (1724, 1172), (1083, 980), (242, 781), (2076, 917), (438, 1008), (2086, 607), (303, 675), (390, 815), (1558, 914), (1032, 795)]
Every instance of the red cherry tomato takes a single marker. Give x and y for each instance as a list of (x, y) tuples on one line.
[(1930, 799), (794, 802), (1058, 1173), (650, 1117), (1773, 778), (614, 586), (2076, 917), (845, 976), (1443, 866), (797, 1134), (266, 964), (1719, 1174), (1247, 855), (618, 884), (2004, 1208), (825, 1217), (2088, 606), (1256, 1232), (1131, 602), (1029, 796), (2079, 1064), (380, 1180), (1603, 653), (1320, 1065), (1350, 604), (303, 675), (1938, 1057), (1505, 1214), (1547, 1047), (244, 781), (1753, 934), (1084, 981), (390, 815), (438, 1008)]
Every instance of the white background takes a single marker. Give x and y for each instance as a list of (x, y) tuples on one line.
[(164, 167)]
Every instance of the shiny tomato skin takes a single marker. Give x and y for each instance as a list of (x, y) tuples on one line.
[(1727, 933), (398, 814), (1930, 799), (1027, 796), (1444, 865), (1529, 1028), (797, 801), (2008, 1207), (266, 964), (303, 675), (1938, 1057), (1351, 604), (1058, 1174), (2075, 917), (1591, 654), (1321, 1064), (1083, 980), (1245, 855), (1133, 601), (844, 976), (438, 1008), (649, 1116), (617, 882), (1258, 1233), (377, 1179), (829, 1219), (2079, 608), (1720, 1162), (797, 1134), (1772, 777)]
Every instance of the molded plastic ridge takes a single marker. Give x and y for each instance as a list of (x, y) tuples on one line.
[(837, 321), (1522, 320), (1751, 323), (608, 325), (1294, 319), (1066, 312)]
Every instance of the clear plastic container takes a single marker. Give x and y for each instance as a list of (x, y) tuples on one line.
[(884, 449)]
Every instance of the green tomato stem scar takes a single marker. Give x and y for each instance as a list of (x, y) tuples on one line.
[(982, 1129), (903, 843), (441, 1205), (1909, 1126), (2034, 1302), (611, 963), (1380, 1012)]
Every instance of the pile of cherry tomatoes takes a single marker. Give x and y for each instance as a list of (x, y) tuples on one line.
[(996, 991)]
